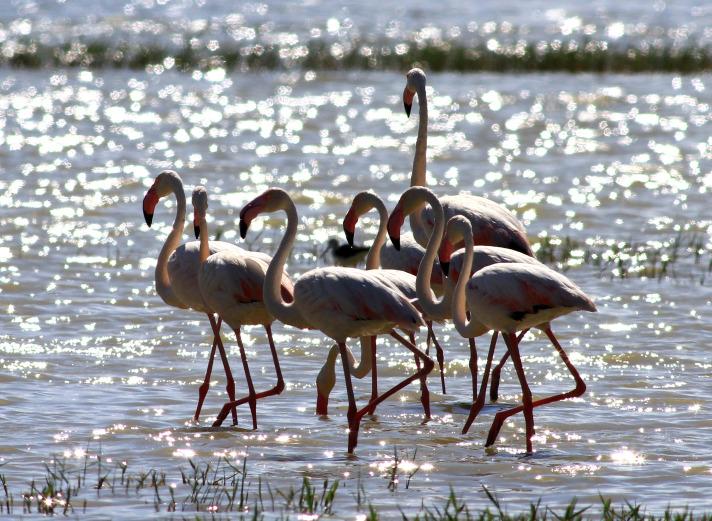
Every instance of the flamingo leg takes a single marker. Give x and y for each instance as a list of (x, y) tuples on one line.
[(527, 406), (480, 401), (574, 393), (496, 373), (374, 376), (438, 352), (230, 386), (473, 366), (354, 415), (423, 374), (203, 389), (253, 397)]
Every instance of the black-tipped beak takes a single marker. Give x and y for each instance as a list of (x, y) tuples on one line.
[(196, 229), (396, 243), (445, 267), (148, 217), (349, 237), (407, 107), (243, 228)]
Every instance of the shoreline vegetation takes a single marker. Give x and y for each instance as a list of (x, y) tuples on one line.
[(557, 55), (225, 488)]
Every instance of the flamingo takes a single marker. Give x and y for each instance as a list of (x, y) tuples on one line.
[(492, 224), (177, 273), (513, 297), (412, 201), (402, 266), (231, 282), (340, 302)]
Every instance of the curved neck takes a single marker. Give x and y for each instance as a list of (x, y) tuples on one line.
[(467, 328), (204, 246), (272, 293), (163, 282), (426, 300), (373, 259), (417, 176)]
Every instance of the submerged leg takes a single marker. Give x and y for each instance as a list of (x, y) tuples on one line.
[(422, 374), (479, 402), (230, 385), (203, 389), (527, 405), (253, 397)]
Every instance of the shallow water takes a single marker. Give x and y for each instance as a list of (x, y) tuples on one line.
[(90, 356)]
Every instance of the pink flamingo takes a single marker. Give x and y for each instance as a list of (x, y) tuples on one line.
[(508, 298), (177, 273), (413, 200), (401, 266), (231, 284), (340, 302), (492, 224)]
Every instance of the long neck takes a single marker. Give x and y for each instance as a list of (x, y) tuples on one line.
[(373, 260), (163, 281), (204, 246), (282, 311), (327, 375), (426, 300), (417, 176), (467, 328)]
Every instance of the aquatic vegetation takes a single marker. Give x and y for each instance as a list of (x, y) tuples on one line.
[(559, 55)]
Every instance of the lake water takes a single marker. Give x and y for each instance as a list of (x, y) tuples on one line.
[(90, 357)]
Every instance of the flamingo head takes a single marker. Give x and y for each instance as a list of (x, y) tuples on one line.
[(200, 208), (411, 201), (362, 203), (162, 186), (269, 201), (415, 80)]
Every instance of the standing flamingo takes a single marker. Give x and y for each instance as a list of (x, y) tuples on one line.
[(177, 273), (509, 298), (231, 284), (412, 201), (340, 302), (492, 224), (403, 266)]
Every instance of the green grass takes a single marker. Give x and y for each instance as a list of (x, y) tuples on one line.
[(685, 255), (571, 56), (225, 487)]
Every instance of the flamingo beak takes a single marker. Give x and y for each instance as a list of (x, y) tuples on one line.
[(196, 228), (408, 100), (395, 223), (150, 201), (350, 227), (249, 212), (445, 267)]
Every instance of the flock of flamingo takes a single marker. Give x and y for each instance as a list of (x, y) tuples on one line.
[(486, 279)]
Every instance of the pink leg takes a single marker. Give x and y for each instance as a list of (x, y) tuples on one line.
[(424, 392), (438, 353), (230, 385), (374, 376), (355, 415), (479, 402), (203, 389), (253, 397), (473, 366), (577, 391), (494, 389), (527, 407)]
